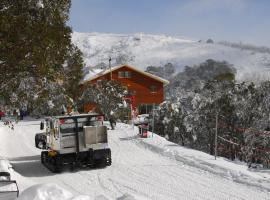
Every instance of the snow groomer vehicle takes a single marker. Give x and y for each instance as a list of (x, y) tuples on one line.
[(75, 140)]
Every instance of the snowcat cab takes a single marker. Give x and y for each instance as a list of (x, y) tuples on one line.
[(76, 140), (8, 188)]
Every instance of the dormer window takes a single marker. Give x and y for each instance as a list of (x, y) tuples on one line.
[(124, 74)]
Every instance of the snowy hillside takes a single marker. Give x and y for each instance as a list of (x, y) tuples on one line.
[(142, 50), (142, 168)]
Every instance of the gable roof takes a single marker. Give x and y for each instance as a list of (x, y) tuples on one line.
[(104, 72)]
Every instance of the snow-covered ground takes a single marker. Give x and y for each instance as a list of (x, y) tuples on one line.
[(142, 50), (142, 168)]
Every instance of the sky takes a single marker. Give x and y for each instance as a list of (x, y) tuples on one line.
[(246, 21)]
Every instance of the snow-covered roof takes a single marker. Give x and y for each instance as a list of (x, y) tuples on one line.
[(102, 73)]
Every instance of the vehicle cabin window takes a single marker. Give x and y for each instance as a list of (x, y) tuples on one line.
[(124, 74), (68, 125), (153, 89)]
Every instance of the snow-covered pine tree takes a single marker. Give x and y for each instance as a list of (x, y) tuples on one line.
[(257, 135), (108, 95), (35, 42), (169, 122), (73, 72)]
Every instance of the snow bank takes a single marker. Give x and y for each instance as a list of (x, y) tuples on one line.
[(4, 166), (51, 191), (234, 170)]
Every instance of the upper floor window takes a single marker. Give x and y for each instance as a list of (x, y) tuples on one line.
[(127, 74), (124, 74), (153, 89)]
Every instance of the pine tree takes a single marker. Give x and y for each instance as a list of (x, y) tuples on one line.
[(72, 72), (35, 43)]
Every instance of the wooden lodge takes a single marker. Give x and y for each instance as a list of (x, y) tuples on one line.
[(146, 89)]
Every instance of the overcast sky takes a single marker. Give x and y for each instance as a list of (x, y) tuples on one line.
[(233, 20)]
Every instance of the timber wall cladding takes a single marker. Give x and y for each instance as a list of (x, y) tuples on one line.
[(140, 84)]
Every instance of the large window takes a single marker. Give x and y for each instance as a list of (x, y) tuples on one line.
[(145, 108), (124, 74)]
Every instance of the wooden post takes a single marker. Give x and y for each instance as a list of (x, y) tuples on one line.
[(216, 136), (153, 123)]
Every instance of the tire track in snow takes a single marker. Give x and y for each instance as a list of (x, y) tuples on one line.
[(202, 166), (203, 182), (136, 169)]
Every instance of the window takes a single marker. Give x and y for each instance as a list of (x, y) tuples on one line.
[(142, 109), (153, 89), (124, 74), (133, 92), (127, 74), (121, 74), (69, 125), (99, 81), (145, 108)]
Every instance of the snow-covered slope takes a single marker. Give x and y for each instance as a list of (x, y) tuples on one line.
[(142, 50), (142, 168)]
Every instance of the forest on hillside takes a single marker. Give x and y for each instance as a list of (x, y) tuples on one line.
[(206, 99)]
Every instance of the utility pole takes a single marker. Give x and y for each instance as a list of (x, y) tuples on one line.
[(110, 59), (216, 135)]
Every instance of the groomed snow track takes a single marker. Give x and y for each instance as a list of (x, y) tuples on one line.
[(139, 168)]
